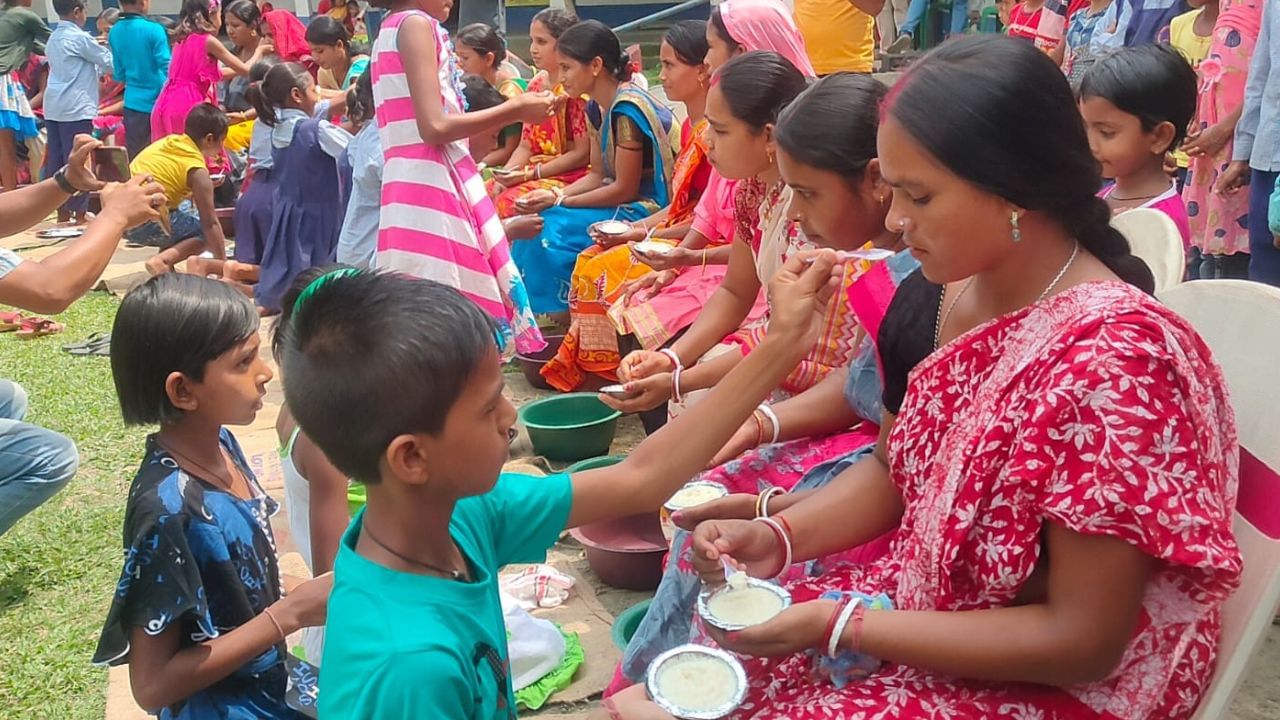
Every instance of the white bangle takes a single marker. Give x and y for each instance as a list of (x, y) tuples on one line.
[(786, 543), (837, 630), (675, 385), (773, 418), (675, 359)]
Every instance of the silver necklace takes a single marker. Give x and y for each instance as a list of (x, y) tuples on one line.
[(943, 317)]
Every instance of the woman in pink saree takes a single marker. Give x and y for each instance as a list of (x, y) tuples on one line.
[(1063, 467)]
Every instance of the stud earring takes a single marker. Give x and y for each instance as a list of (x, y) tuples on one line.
[(1017, 232)]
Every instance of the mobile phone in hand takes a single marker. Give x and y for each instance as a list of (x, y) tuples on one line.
[(111, 164)]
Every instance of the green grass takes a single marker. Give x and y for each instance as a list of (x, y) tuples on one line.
[(59, 564)]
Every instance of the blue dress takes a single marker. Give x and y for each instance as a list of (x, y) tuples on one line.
[(205, 560), (307, 216), (257, 203), (546, 262)]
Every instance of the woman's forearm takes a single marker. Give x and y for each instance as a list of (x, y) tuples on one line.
[(706, 374), (856, 507), (722, 315), (820, 410), (520, 158), (604, 196), (673, 232), (574, 159), (584, 184)]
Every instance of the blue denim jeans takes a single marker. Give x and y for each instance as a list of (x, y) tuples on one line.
[(34, 463), (915, 16), (1264, 257)]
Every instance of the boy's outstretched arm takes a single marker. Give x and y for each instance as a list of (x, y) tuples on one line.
[(672, 456)]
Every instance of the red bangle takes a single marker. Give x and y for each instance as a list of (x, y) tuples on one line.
[(835, 615), (786, 526), (859, 614)]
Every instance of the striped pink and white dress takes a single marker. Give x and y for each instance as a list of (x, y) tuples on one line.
[(437, 222)]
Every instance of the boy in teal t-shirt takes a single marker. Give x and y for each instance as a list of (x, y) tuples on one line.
[(399, 382)]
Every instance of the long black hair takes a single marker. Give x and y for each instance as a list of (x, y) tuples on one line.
[(484, 40), (274, 89), (593, 39), (842, 109), (688, 38), (1153, 82), (246, 11), (360, 107), (757, 85), (1016, 134), (556, 20)]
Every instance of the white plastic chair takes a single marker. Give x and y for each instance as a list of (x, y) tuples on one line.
[(1241, 323), (1154, 237)]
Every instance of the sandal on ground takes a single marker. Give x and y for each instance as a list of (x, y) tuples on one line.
[(38, 327), (98, 344), (10, 321)]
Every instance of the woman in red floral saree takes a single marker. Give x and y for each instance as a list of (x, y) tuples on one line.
[(1063, 466)]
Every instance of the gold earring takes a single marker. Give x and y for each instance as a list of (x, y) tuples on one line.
[(1017, 232)]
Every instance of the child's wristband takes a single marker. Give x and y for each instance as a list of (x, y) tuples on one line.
[(279, 628)]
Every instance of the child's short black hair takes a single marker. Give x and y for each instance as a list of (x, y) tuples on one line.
[(369, 356), (1153, 82), (204, 120), (172, 323), (480, 94), (65, 8)]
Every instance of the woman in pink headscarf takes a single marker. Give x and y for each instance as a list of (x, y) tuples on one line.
[(739, 26)]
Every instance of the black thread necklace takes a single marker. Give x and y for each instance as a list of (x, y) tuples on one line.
[(447, 572)]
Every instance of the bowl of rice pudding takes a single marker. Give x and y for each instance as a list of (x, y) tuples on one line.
[(691, 495), (742, 602), (696, 683)]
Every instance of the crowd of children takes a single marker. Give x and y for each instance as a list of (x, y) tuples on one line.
[(406, 208)]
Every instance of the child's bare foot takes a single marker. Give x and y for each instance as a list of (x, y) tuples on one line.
[(199, 266), (240, 272), (157, 266)]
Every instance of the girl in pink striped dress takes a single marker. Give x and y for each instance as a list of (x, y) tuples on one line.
[(437, 221)]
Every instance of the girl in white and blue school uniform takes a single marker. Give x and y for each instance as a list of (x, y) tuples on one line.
[(358, 241), (305, 149)]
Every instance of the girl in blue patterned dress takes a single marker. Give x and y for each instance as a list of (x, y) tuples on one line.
[(198, 613)]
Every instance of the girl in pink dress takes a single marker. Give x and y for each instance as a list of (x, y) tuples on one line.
[(1220, 221), (437, 221), (193, 70)]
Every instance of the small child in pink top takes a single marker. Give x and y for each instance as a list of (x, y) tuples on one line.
[(193, 69), (1136, 105)]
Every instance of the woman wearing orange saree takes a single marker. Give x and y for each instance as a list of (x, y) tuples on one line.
[(554, 153), (591, 345)]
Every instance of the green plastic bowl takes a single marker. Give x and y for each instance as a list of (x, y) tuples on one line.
[(572, 427), (595, 462), (624, 628)]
